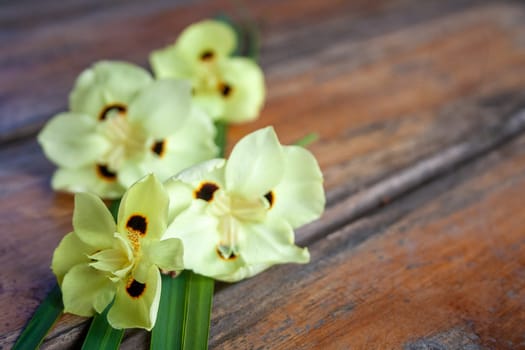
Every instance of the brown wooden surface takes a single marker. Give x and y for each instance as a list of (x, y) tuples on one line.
[(419, 109)]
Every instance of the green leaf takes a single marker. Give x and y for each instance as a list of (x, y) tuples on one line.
[(307, 140), (167, 333), (101, 335), (183, 321), (44, 318), (113, 208), (199, 300), (220, 137)]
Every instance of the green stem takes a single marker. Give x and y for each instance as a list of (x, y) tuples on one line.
[(42, 321)]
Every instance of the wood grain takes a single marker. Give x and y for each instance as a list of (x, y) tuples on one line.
[(401, 95)]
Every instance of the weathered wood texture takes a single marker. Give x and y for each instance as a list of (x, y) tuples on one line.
[(449, 257), (400, 92)]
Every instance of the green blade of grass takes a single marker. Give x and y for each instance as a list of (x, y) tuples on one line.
[(42, 321), (101, 335)]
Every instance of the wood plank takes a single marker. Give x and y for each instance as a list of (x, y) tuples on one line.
[(443, 265)]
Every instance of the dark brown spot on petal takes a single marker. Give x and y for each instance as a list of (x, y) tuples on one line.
[(135, 289), (229, 258), (206, 191), (159, 147), (207, 55), (225, 89), (137, 224), (106, 174), (119, 108), (270, 197)]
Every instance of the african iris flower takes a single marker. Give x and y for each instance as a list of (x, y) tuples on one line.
[(121, 126), (228, 88), (236, 217), (100, 261)]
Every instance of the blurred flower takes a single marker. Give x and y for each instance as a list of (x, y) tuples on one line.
[(236, 217), (100, 261), (228, 88), (121, 126)]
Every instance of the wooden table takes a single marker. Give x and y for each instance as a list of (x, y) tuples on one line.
[(419, 109)]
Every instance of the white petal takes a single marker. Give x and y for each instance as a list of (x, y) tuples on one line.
[(270, 242), (93, 222), (162, 107), (132, 310), (210, 170), (135, 168), (244, 271), (180, 195), (299, 198), (86, 179), (191, 143), (256, 164), (70, 252), (167, 254), (198, 232), (71, 140), (83, 288), (211, 102), (209, 35), (144, 209), (169, 63), (246, 81), (106, 83)]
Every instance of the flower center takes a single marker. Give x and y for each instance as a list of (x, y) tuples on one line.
[(209, 79), (232, 210), (116, 261), (126, 140)]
